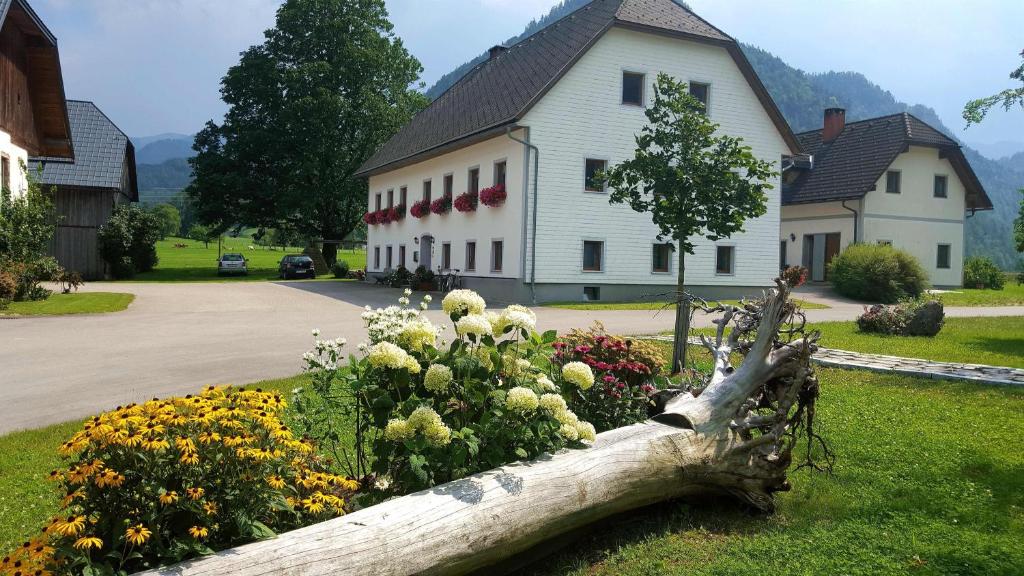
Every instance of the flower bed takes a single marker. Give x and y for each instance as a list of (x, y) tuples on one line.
[(442, 205), (494, 196), (420, 208), (466, 202)]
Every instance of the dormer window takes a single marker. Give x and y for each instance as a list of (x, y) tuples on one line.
[(633, 88)]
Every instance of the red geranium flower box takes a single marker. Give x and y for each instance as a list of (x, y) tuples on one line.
[(420, 208), (466, 202), (494, 196), (442, 205)]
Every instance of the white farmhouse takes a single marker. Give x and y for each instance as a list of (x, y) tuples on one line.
[(892, 180), (536, 120)]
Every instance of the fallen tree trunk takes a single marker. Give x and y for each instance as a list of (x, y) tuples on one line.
[(734, 436)]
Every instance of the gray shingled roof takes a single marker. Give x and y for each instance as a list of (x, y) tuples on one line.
[(848, 167), (103, 154), (501, 90)]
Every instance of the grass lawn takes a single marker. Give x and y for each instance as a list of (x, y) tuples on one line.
[(1012, 294), (652, 305), (998, 341), (75, 303), (929, 481), (197, 263)]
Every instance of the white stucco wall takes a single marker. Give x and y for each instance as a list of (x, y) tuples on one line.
[(915, 220), (18, 156), (482, 226), (582, 117), (818, 218)]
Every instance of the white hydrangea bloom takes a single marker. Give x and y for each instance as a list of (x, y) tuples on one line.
[(544, 382), (423, 417), (475, 324), (586, 431), (398, 430), (497, 322), (417, 334), (463, 302), (521, 399), (407, 292), (569, 432), (519, 317), (567, 418), (553, 403), (438, 434), (428, 298), (437, 378), (388, 355), (579, 374)]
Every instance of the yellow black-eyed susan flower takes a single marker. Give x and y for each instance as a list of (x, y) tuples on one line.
[(138, 534), (88, 542)]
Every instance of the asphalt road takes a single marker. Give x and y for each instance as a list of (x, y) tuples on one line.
[(176, 338)]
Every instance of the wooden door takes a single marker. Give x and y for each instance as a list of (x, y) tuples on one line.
[(832, 243)]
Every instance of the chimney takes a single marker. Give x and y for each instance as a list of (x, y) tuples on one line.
[(835, 121), (496, 51)]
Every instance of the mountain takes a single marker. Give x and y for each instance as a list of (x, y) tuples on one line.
[(160, 183), (1001, 149), (160, 150), (802, 96), (140, 141)]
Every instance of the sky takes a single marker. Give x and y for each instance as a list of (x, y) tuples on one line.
[(154, 66)]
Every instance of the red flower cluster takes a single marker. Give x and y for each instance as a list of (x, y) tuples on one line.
[(494, 196), (385, 215), (420, 208), (466, 202), (442, 205)]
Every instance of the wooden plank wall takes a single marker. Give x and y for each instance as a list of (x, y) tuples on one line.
[(16, 115), (81, 213)]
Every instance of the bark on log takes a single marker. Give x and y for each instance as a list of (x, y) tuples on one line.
[(734, 437)]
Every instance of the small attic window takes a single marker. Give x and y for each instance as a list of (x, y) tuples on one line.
[(892, 182), (633, 88)]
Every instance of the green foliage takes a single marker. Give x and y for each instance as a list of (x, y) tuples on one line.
[(1018, 226), (877, 273), (906, 318), (340, 269), (28, 277), (981, 272), (203, 234), (27, 223), (426, 414), (128, 241), (328, 86), (169, 218), (975, 110)]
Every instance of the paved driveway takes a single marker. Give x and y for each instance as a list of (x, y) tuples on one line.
[(176, 338)]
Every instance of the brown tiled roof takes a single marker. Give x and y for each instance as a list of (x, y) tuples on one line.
[(501, 90), (848, 167)]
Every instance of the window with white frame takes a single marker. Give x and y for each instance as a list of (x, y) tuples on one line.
[(426, 190), (497, 256), (473, 180), (449, 185), (470, 256), (499, 173)]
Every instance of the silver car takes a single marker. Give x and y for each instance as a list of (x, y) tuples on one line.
[(232, 264)]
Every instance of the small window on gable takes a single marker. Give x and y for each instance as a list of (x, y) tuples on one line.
[(633, 88), (702, 92), (725, 259), (942, 259), (590, 181), (892, 182), (593, 256), (661, 253), (473, 181), (940, 187), (449, 184), (426, 190), (499, 173)]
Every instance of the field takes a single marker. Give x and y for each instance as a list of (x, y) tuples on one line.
[(198, 263), (74, 303), (1012, 294), (656, 305), (929, 481)]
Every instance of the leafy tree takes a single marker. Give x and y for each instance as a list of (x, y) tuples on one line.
[(128, 241), (693, 182), (27, 222), (169, 218), (203, 234), (1018, 226), (975, 110), (328, 86)]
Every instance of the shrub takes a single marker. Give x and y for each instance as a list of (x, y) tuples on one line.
[(8, 288), (431, 413), (424, 276), (877, 272), (400, 277), (27, 223), (156, 483), (794, 276), (982, 272), (626, 373), (128, 241), (28, 277), (69, 281), (340, 269), (911, 317)]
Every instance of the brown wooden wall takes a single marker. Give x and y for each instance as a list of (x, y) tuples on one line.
[(16, 114), (81, 213)]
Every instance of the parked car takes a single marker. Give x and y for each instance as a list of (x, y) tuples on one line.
[(232, 264), (296, 266)]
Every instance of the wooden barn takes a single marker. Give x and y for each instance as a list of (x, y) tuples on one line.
[(88, 188), (33, 114)]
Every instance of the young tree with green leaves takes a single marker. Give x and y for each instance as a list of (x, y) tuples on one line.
[(170, 219), (694, 182), (1018, 227), (27, 222), (203, 234), (975, 110), (328, 86)]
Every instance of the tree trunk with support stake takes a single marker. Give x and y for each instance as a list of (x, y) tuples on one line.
[(734, 436), (681, 329)]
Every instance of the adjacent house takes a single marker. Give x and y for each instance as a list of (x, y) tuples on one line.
[(528, 128), (87, 189), (892, 180), (33, 111)]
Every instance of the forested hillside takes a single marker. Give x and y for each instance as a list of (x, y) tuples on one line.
[(802, 96)]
